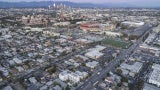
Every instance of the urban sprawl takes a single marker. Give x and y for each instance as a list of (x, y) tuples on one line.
[(65, 48)]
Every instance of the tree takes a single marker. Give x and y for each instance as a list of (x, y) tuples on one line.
[(124, 79), (1, 73), (124, 27), (102, 63), (83, 64), (27, 63), (56, 83), (52, 69), (108, 74), (121, 61), (117, 23), (56, 37), (119, 84), (63, 53), (0, 34), (54, 50), (133, 37), (125, 35), (103, 79), (110, 58), (38, 56), (140, 84), (119, 71), (73, 50), (67, 88)]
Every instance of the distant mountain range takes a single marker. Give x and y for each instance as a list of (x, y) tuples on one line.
[(72, 4), (46, 3)]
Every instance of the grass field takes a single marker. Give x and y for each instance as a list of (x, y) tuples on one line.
[(116, 43)]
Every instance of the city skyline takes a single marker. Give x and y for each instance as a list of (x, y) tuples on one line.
[(91, 1), (143, 3)]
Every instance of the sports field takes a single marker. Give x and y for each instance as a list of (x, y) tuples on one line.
[(116, 43)]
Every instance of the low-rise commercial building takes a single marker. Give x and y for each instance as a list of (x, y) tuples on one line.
[(94, 53), (133, 24), (74, 77), (155, 75), (131, 69), (92, 64)]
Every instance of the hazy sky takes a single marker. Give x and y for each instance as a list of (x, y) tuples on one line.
[(138, 2)]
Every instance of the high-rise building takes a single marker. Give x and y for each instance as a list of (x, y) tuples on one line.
[(54, 4)]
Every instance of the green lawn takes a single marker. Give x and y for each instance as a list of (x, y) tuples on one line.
[(116, 43)]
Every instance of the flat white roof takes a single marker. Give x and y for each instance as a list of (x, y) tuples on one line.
[(145, 46), (133, 68), (156, 66), (135, 23), (113, 33), (94, 54), (155, 76), (92, 64)]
